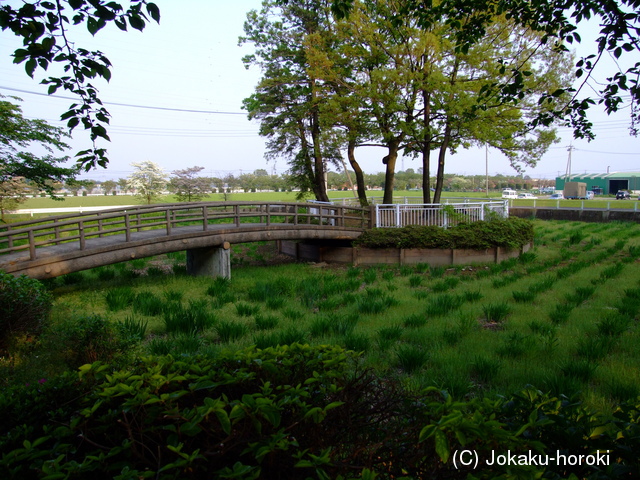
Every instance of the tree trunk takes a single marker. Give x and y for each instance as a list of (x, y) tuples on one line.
[(426, 149), (441, 155), (362, 194), (389, 176), (320, 187)]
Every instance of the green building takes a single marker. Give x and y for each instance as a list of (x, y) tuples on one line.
[(604, 183)]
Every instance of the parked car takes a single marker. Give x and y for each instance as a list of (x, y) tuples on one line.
[(527, 195), (623, 195), (508, 193), (556, 196)]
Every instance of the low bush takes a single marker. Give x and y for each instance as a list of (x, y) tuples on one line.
[(508, 233), (25, 305), (296, 412)]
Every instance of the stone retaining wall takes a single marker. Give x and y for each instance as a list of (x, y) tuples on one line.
[(313, 252)]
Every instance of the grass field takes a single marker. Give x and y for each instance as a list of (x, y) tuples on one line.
[(563, 317), (117, 200)]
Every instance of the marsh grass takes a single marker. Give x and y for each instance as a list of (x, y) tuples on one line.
[(229, 331), (119, 298), (267, 322), (581, 295), (560, 314), (485, 368), (542, 341), (134, 328), (246, 309), (581, 369), (148, 303), (496, 312), (411, 358), (443, 304), (515, 345), (415, 320), (526, 296), (358, 342), (194, 318)]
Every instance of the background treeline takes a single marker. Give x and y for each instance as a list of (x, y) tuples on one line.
[(261, 180)]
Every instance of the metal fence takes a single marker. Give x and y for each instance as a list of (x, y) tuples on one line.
[(441, 215)]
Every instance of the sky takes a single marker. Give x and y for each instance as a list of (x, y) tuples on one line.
[(176, 95)]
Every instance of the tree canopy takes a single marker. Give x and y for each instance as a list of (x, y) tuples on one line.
[(371, 80), (18, 137), (45, 28), (148, 180), (557, 23)]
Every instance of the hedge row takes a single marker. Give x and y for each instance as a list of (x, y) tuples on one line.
[(509, 233), (295, 412)]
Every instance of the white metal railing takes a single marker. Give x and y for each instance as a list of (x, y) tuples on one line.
[(442, 215)]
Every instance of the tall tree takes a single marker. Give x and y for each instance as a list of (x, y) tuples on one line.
[(13, 192), (558, 25), (18, 136), (188, 186), (287, 101), (148, 180)]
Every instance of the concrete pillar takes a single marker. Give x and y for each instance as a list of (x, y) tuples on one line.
[(210, 261)]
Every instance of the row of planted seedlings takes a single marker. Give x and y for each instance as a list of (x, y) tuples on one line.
[(561, 317), (558, 318)]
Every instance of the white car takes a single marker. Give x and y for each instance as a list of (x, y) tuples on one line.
[(556, 196), (527, 195)]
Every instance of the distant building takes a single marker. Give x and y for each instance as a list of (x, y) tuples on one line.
[(604, 183)]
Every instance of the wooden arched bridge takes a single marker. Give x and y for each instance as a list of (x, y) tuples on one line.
[(53, 246)]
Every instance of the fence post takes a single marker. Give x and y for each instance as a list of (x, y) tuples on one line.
[(398, 216), (81, 232), (127, 227), (167, 215), (205, 218), (32, 246)]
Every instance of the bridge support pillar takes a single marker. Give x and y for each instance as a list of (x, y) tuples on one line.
[(210, 261)]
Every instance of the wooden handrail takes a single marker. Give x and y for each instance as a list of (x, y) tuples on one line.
[(128, 221)]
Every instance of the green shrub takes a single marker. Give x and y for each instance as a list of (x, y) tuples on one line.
[(24, 307), (283, 412), (508, 233), (85, 339)]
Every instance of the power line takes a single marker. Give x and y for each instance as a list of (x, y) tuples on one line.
[(148, 107)]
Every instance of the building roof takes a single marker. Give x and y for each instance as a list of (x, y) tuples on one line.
[(612, 175)]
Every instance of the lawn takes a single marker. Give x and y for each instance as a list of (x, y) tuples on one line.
[(562, 317)]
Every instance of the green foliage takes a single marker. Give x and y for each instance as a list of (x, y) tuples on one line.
[(267, 414), (281, 412), (25, 305), (47, 42), (86, 338), (511, 233)]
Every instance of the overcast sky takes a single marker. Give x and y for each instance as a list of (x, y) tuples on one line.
[(176, 95)]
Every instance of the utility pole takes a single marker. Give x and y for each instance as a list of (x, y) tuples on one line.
[(486, 160), (568, 172)]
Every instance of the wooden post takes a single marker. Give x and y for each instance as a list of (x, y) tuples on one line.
[(32, 245)]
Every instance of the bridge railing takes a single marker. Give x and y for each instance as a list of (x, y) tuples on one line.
[(79, 228), (441, 215)]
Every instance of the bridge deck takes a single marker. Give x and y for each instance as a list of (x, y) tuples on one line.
[(56, 245)]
